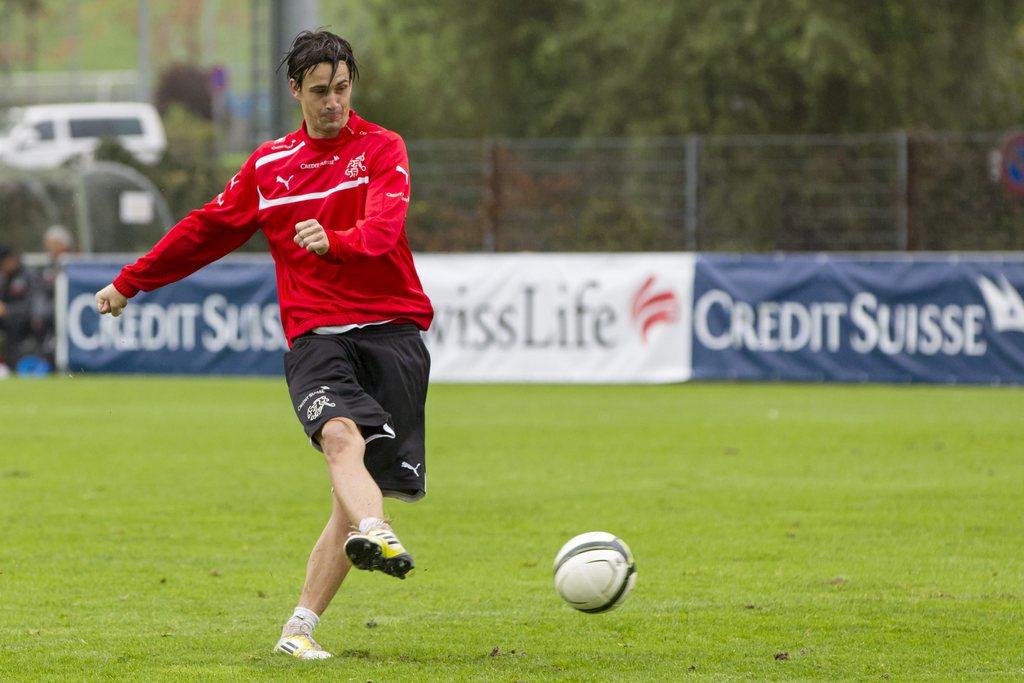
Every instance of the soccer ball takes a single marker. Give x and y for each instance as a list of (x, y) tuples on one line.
[(594, 572)]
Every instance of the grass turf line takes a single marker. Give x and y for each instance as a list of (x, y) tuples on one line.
[(158, 529)]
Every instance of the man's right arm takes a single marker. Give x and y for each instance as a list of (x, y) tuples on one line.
[(202, 237)]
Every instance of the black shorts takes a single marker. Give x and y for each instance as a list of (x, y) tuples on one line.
[(377, 377)]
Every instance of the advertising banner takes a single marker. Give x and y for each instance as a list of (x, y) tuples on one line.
[(881, 318), (665, 317), (223, 319), (559, 317)]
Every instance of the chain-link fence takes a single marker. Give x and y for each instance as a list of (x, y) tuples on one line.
[(18, 89), (958, 195), (800, 192), (931, 191), (920, 191)]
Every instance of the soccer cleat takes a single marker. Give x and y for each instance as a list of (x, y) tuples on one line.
[(297, 641), (379, 549)]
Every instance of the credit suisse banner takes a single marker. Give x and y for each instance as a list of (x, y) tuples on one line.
[(664, 317), (222, 320), (883, 318)]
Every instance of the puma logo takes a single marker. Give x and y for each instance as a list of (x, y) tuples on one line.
[(415, 470), (234, 181), (286, 183)]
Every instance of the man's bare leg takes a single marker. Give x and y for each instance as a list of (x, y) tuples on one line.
[(325, 570), (356, 496), (375, 546), (355, 490), (327, 566)]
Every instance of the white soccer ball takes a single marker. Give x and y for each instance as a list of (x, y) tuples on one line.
[(594, 572)]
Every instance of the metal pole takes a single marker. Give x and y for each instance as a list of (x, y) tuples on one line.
[(692, 187), (143, 51), (60, 295), (82, 214), (255, 59), (208, 44), (493, 201), (74, 18), (6, 21), (289, 17), (902, 232), (278, 86)]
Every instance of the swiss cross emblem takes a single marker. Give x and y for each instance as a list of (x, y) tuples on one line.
[(355, 166)]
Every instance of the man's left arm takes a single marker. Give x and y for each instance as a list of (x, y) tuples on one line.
[(387, 202)]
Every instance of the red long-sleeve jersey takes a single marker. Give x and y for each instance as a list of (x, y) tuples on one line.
[(355, 184)]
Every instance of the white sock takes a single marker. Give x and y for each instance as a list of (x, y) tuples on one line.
[(307, 616), (367, 523)]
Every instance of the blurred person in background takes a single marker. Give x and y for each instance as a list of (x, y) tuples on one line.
[(331, 198), (16, 293), (57, 241)]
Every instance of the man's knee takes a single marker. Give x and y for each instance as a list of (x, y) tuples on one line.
[(341, 436)]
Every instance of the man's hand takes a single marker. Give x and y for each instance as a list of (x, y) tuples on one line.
[(311, 236), (109, 300)]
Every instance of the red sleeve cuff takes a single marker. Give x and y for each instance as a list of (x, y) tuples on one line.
[(340, 243), (122, 285)]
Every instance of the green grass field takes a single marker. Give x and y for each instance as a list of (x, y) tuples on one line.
[(158, 529)]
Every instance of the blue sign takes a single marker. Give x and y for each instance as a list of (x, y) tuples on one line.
[(930, 318), (1013, 164), (222, 320)]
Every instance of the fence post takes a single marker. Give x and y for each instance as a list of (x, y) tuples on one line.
[(493, 198), (902, 200), (692, 186), (144, 93)]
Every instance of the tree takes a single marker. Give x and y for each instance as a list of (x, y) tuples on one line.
[(32, 12), (605, 67)]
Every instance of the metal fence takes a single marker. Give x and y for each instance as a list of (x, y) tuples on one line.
[(921, 191), (18, 89), (901, 191)]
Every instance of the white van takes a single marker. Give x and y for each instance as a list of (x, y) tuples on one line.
[(46, 136)]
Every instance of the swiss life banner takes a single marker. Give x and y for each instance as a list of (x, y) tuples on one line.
[(507, 317), (223, 319), (943, 318), (559, 317)]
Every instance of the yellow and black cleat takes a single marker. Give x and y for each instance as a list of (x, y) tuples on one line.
[(301, 646), (379, 549)]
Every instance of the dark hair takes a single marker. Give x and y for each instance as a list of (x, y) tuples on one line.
[(311, 48)]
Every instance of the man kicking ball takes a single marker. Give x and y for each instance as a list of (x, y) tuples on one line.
[(331, 198)]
